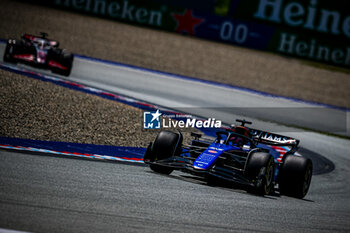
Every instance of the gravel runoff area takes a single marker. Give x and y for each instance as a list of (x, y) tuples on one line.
[(178, 54), (34, 109)]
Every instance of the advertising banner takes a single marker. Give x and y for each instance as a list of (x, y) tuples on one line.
[(313, 29), (318, 30)]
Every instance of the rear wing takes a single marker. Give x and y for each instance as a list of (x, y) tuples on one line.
[(52, 43), (273, 139)]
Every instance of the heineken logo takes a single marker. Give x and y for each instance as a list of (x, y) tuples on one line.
[(305, 14), (121, 9)]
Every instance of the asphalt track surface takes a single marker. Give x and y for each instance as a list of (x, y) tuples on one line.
[(53, 194)]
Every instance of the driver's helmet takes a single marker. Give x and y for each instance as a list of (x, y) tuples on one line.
[(241, 130), (239, 141), (236, 141), (41, 44)]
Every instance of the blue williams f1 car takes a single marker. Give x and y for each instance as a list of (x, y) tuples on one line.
[(261, 161)]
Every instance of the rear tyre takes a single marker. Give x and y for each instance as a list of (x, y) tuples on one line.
[(66, 59), (260, 170), (166, 145), (295, 176)]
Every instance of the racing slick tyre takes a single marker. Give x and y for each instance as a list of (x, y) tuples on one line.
[(295, 176), (8, 56), (66, 59), (166, 145), (260, 170)]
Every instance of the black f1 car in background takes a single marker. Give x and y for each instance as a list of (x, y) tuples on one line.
[(39, 51), (259, 160)]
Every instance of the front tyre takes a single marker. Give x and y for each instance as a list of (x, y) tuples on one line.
[(295, 176), (8, 55), (260, 170), (166, 145), (150, 157)]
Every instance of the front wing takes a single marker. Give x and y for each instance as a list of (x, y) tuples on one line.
[(184, 162)]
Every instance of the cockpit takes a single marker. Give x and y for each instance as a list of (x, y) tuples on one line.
[(234, 139)]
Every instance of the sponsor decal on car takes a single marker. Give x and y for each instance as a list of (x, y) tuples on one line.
[(212, 151)]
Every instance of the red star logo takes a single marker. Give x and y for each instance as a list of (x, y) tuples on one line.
[(186, 22)]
